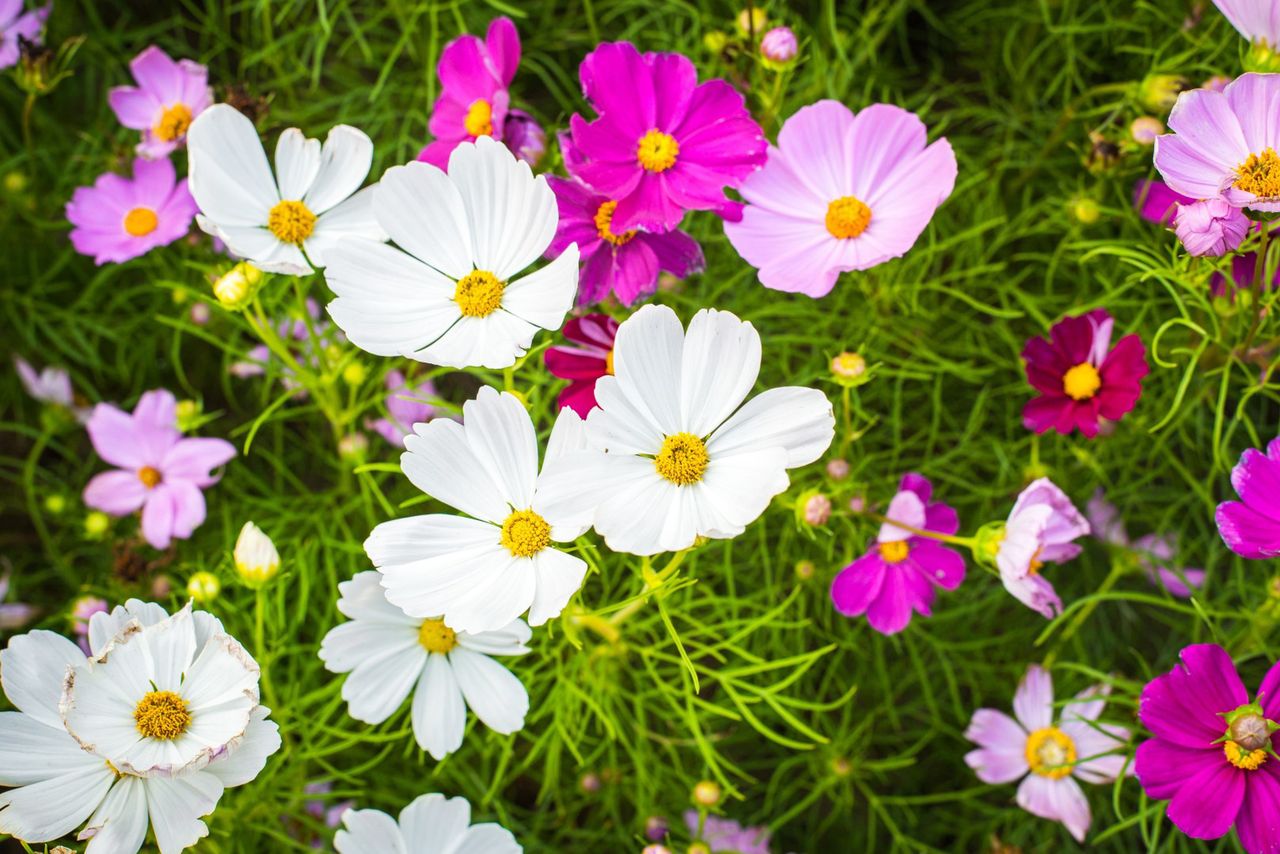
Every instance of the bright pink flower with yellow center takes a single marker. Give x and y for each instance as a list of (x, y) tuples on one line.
[(584, 364), (120, 218), (157, 469), (168, 97)]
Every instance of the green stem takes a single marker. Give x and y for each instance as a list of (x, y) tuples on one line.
[(967, 542)]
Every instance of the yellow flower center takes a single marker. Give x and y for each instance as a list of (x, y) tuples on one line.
[(894, 551), (479, 120), (683, 459), (435, 636), (162, 715), (847, 217), (608, 363), (478, 294), (1242, 757), (139, 222), (1260, 174), (657, 151), (173, 123), (149, 477), (291, 221), (604, 218), (1050, 752), (1081, 382), (525, 533)]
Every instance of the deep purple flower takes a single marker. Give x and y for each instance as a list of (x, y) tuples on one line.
[(584, 364), (723, 834), (157, 470), (1210, 227), (1213, 755), (1251, 526), (406, 406), (16, 24), (899, 573), (1108, 527), (121, 218), (663, 143), (525, 137), (1042, 528), (168, 97)]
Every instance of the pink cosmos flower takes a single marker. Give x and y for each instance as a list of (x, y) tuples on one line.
[(1080, 377), (840, 192), (899, 573), (16, 24), (82, 611), (406, 406), (121, 218), (584, 364), (1041, 528), (13, 615), (1213, 754), (779, 45), (663, 143), (168, 97), (1256, 20), (475, 75), (1251, 526), (1224, 144), (724, 834), (626, 264), (51, 386), (1108, 527), (158, 471), (1048, 755), (1211, 227)]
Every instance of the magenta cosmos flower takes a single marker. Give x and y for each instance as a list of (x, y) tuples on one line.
[(157, 470), (626, 264), (16, 24), (898, 574), (1042, 528), (168, 97), (1213, 755), (121, 218), (585, 363), (1080, 377), (725, 834), (663, 143), (1224, 143), (474, 100), (406, 405), (1108, 527), (1251, 526), (840, 192), (1048, 755)]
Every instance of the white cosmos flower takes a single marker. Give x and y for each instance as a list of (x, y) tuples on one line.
[(674, 452), (480, 571), (449, 295), (432, 824), (389, 654), (60, 785), (308, 206)]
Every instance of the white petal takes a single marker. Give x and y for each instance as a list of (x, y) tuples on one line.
[(246, 760), (120, 824), (221, 673), (487, 838), (439, 716), (500, 432), (171, 646), (512, 215), (260, 247), (543, 297), (297, 162), (493, 342), (643, 515), (739, 487), (573, 487), (344, 164), (719, 365), (422, 211), (362, 598), (444, 461), (369, 832), (349, 645), (617, 424), (227, 168), (414, 538), (31, 751), (176, 805), (32, 668), (432, 823), (798, 420), (568, 435), (559, 577), (104, 626), (351, 220), (474, 591), (375, 689), (508, 640), (54, 807), (646, 357), (497, 697)]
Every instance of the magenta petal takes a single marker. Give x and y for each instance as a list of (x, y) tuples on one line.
[(648, 206), (1258, 823), (465, 72), (941, 565), (1269, 693), (1157, 203), (858, 584), (635, 271), (1163, 768), (579, 396), (502, 41), (1207, 805), (1247, 532), (117, 493), (890, 611), (619, 83), (1185, 705)]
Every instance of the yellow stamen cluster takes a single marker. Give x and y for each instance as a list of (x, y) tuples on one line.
[(1081, 382), (291, 221), (847, 217), (478, 293), (525, 533), (479, 118), (139, 222), (1260, 174), (895, 551), (657, 151), (173, 123), (1242, 757), (435, 636), (608, 363), (162, 715), (682, 459), (604, 218), (1050, 752), (149, 476)]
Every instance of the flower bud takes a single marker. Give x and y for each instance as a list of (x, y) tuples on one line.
[(353, 447), (236, 287), (15, 182), (188, 412), (656, 849), (55, 504), (1144, 130), (1159, 92), (1261, 58), (805, 569), (590, 783), (656, 828), (96, 524), (838, 469), (1084, 210), (779, 47), (817, 509), (849, 369), (858, 503), (715, 41), (1210, 227), (751, 20), (203, 587), (256, 558), (841, 766), (354, 373), (1217, 82), (161, 586), (199, 313), (707, 793)]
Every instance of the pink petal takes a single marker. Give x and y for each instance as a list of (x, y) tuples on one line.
[(1033, 701), (115, 438), (1057, 800), (157, 516), (117, 492), (188, 508), (135, 108), (193, 459), (158, 74)]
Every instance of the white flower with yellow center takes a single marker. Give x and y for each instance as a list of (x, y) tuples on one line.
[(290, 221), (390, 654), (480, 571), (451, 294), (432, 824), (61, 784), (674, 453)]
